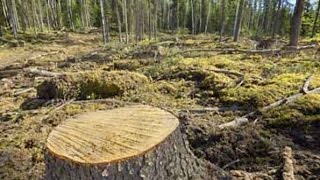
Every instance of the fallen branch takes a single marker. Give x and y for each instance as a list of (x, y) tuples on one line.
[(23, 91), (288, 168), (305, 88), (39, 72), (231, 163), (211, 109), (43, 55), (245, 119)]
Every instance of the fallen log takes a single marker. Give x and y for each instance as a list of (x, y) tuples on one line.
[(132, 142)]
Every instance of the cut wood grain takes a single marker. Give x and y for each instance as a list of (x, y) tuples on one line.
[(131, 142)]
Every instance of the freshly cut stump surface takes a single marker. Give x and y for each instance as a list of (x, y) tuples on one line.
[(112, 135), (136, 142)]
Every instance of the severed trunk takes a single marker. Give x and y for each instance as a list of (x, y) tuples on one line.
[(136, 142)]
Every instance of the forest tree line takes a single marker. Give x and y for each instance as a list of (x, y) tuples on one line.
[(140, 19)]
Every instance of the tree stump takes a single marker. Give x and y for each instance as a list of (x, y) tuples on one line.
[(133, 142)]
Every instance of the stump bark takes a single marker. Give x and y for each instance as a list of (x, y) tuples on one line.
[(134, 142)]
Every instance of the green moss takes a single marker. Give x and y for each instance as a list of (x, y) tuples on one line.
[(272, 90), (91, 85), (304, 110), (216, 82)]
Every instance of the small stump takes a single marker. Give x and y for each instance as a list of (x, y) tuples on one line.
[(133, 142)]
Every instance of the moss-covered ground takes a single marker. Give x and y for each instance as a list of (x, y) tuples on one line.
[(178, 82)]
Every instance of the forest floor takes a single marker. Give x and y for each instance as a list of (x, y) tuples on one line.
[(199, 79)]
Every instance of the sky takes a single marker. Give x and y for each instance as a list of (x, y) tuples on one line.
[(294, 1)]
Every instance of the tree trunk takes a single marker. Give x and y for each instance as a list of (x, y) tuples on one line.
[(208, 17), (222, 21), (155, 18), (192, 17), (116, 9), (40, 15), (177, 15), (238, 21), (70, 16), (103, 21), (13, 18), (296, 23), (5, 12), (200, 16), (144, 144), (81, 9), (315, 25), (125, 18), (277, 19), (149, 19)]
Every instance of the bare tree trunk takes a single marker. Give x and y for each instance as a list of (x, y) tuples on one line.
[(208, 16), (296, 23), (222, 21), (200, 16), (177, 15), (70, 16), (41, 15), (13, 18), (23, 12), (81, 9), (87, 13), (238, 21), (116, 9), (149, 18), (315, 25), (5, 12), (276, 22), (132, 18), (155, 18), (125, 18), (48, 16), (103, 20), (192, 17), (35, 18)]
